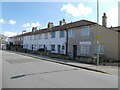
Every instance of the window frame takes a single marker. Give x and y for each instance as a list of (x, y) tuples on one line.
[(85, 31), (62, 34), (71, 33), (52, 49), (53, 34), (87, 49), (45, 35)]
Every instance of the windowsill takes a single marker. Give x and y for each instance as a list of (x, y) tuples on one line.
[(71, 36), (85, 35)]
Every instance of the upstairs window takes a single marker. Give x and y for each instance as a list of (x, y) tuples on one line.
[(62, 34), (31, 37), (52, 34), (35, 37), (46, 36), (40, 36), (71, 33), (85, 31)]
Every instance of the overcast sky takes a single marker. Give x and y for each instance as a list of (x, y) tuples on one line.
[(18, 16)]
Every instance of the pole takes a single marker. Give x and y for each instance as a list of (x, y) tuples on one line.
[(97, 33), (66, 40)]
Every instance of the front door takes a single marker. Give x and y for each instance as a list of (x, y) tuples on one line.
[(58, 48), (74, 51)]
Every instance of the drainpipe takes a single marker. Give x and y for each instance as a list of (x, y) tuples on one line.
[(67, 41)]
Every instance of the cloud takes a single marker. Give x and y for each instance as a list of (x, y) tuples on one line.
[(75, 11), (12, 22), (28, 26), (2, 21), (9, 34)]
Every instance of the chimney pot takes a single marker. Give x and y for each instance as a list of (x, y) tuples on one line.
[(50, 24), (62, 22), (104, 20)]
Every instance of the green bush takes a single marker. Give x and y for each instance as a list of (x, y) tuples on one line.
[(85, 59)]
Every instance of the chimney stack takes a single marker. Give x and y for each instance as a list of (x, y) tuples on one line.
[(104, 20), (62, 22), (50, 24), (34, 29)]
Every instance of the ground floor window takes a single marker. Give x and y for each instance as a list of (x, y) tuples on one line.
[(52, 47), (85, 49)]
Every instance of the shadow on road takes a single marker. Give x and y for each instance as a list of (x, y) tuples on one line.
[(23, 75)]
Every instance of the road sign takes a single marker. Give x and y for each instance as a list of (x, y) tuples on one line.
[(98, 36)]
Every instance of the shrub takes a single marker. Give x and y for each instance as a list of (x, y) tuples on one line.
[(41, 49), (85, 59)]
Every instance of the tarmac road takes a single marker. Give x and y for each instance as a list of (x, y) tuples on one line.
[(20, 71)]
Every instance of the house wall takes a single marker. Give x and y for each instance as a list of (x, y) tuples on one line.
[(47, 42), (106, 37)]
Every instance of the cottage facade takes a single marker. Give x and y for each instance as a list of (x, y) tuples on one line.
[(80, 38)]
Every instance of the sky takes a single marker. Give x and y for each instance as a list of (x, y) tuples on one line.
[(18, 16)]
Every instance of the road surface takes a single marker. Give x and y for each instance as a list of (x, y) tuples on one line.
[(26, 72)]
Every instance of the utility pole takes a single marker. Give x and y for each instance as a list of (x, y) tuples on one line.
[(97, 33)]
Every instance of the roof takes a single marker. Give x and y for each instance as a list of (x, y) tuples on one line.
[(117, 28), (58, 28)]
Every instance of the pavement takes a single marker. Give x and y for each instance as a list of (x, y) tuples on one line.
[(112, 70)]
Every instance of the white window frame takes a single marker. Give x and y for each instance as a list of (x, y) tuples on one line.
[(62, 32), (87, 51), (46, 36), (40, 36), (85, 31), (85, 43), (71, 33), (31, 37), (35, 37), (51, 47), (54, 33)]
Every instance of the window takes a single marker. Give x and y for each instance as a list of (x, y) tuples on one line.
[(85, 31), (40, 36), (46, 36), (30, 37), (62, 34), (52, 34), (52, 47), (71, 33), (35, 36), (85, 49)]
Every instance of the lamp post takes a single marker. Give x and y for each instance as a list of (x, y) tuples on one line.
[(97, 52), (97, 33)]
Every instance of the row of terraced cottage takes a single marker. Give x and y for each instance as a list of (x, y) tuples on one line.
[(80, 38)]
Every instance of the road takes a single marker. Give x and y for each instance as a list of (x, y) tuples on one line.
[(26, 72)]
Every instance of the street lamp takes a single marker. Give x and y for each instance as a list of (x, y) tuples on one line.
[(97, 37)]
